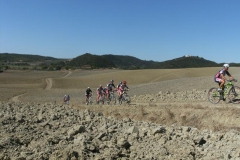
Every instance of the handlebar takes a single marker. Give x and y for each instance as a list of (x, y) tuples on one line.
[(232, 80)]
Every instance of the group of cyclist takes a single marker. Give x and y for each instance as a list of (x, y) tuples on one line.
[(105, 91)]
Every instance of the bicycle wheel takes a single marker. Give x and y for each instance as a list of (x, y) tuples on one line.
[(234, 95), (90, 100), (114, 100), (213, 95), (127, 99)]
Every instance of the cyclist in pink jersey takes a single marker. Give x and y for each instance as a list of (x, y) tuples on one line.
[(99, 92), (118, 88), (122, 88), (220, 76)]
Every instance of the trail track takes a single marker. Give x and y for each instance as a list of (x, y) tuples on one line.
[(16, 98), (69, 72), (49, 83)]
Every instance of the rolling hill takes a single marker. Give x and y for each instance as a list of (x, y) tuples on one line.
[(90, 61), (129, 62)]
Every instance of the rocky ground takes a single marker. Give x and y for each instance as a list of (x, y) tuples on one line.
[(48, 131)]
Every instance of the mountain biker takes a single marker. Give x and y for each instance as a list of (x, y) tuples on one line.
[(110, 87), (220, 76), (105, 90), (99, 92), (88, 94), (122, 88), (119, 85), (118, 90), (66, 99)]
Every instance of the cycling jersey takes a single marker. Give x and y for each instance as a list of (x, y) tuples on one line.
[(105, 90), (99, 90), (88, 91), (123, 86), (110, 86), (218, 78), (119, 85), (222, 71)]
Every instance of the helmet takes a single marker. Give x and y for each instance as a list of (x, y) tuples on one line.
[(100, 86), (226, 65), (107, 84), (88, 87), (124, 82), (120, 82), (112, 80)]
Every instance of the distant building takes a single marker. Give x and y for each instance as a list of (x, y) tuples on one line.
[(187, 55), (86, 67)]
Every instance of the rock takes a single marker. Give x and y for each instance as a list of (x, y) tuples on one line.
[(132, 130)]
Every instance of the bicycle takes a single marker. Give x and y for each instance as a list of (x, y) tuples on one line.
[(229, 90), (125, 98), (112, 98), (89, 101), (101, 99)]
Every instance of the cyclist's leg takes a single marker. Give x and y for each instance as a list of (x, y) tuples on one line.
[(121, 93), (98, 96), (222, 82)]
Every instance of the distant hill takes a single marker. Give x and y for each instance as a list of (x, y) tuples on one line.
[(186, 62), (94, 61), (13, 57), (129, 62), (90, 61)]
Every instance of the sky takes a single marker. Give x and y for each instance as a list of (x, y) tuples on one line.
[(157, 30)]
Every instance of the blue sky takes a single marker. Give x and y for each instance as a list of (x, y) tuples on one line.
[(157, 30)]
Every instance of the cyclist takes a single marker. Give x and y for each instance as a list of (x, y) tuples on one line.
[(66, 99), (122, 88), (118, 90), (99, 92), (88, 94), (220, 76), (110, 87), (119, 85), (105, 91)]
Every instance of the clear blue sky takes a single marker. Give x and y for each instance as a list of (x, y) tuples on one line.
[(156, 30)]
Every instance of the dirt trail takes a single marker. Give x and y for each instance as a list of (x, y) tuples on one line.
[(49, 83), (69, 72), (16, 98)]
